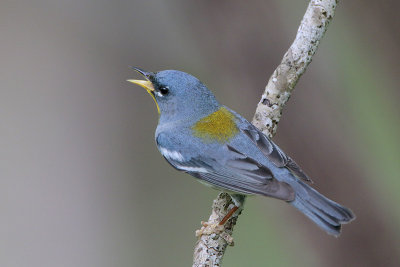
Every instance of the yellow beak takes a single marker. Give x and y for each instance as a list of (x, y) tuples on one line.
[(149, 88), (145, 84)]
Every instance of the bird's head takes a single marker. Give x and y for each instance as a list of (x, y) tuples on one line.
[(178, 95)]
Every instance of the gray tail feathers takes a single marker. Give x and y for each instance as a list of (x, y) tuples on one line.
[(324, 212)]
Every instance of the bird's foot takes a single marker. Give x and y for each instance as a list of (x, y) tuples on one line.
[(209, 228), (214, 228)]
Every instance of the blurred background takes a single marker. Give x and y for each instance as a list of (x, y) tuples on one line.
[(82, 182)]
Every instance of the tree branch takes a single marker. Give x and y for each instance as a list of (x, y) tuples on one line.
[(210, 249)]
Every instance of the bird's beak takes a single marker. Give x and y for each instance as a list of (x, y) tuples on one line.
[(145, 84), (148, 85)]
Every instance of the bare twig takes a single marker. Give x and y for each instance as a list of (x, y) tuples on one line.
[(210, 249)]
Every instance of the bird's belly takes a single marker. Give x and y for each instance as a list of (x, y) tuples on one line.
[(221, 188)]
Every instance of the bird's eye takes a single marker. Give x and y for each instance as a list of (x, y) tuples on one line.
[(164, 90)]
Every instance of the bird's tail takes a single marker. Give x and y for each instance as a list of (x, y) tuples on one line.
[(326, 213)]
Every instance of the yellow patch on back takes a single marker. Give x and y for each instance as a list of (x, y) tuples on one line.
[(219, 126)]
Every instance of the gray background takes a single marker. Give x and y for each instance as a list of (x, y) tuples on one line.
[(81, 180)]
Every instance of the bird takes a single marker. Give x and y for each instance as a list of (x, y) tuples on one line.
[(216, 145)]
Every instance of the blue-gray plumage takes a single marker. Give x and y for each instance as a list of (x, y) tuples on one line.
[(211, 142)]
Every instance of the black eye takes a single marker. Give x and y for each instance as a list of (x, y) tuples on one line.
[(164, 90)]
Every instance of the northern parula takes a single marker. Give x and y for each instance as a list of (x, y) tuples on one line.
[(199, 136)]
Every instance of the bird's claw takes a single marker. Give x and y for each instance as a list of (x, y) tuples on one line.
[(214, 228), (209, 228)]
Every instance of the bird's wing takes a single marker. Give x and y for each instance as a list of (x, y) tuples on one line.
[(239, 173), (273, 152)]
